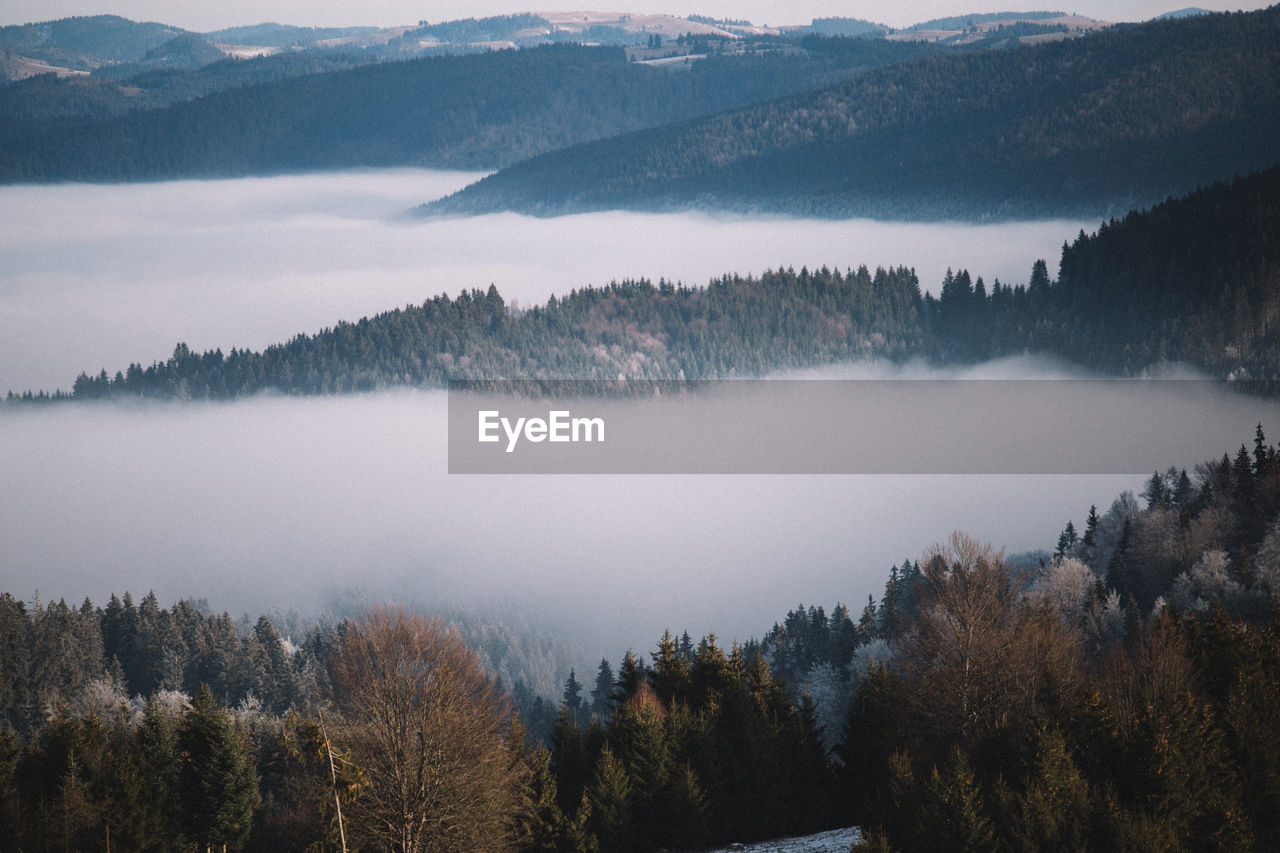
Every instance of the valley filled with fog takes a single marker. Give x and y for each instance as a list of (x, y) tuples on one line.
[(302, 502), (98, 276)]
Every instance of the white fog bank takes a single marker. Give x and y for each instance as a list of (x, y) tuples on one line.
[(289, 502), (99, 276), (280, 502), (276, 502)]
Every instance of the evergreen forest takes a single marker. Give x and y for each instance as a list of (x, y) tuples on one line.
[(1104, 123)]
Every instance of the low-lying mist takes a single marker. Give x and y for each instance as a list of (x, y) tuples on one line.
[(296, 503), (99, 276)]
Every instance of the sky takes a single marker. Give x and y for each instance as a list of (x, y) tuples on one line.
[(203, 16)]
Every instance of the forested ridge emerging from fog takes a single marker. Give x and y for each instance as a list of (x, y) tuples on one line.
[(1191, 280)]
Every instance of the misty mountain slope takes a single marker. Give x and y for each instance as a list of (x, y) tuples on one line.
[(1104, 123), (1193, 279), (478, 111)]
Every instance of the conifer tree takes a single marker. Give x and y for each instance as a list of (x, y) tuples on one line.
[(217, 785), (670, 671), (601, 693), (14, 663), (953, 811), (609, 797), (572, 695), (630, 675)]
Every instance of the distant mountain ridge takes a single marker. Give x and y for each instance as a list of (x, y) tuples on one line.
[(86, 43), (478, 111), (93, 42), (1091, 126)]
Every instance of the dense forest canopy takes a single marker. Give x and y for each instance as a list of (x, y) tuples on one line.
[(1080, 126), (1119, 690)]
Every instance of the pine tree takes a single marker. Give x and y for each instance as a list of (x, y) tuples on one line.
[(158, 759), (14, 663), (952, 813), (541, 822), (609, 796), (1120, 569), (1155, 492), (1066, 540), (601, 693), (670, 671), (572, 695), (217, 785), (630, 675), (1051, 808), (571, 761)]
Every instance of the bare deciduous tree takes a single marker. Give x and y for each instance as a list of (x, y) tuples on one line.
[(981, 650), (432, 734)]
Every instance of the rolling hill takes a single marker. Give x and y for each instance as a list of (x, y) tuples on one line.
[(476, 111), (1092, 126)]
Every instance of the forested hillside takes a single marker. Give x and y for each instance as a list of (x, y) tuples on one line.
[(1193, 280), (85, 43), (1081, 126), (481, 111), (1119, 694), (637, 330)]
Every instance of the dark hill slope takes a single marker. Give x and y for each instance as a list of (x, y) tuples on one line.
[(481, 111), (1092, 125)]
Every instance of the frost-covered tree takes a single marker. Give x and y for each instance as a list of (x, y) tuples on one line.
[(1266, 564), (830, 693), (1208, 580), (1066, 585)]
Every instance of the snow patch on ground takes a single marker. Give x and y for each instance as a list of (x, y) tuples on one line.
[(834, 841)]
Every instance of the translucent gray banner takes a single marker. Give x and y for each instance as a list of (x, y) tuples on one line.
[(786, 426)]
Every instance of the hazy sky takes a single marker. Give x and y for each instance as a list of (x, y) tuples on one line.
[(203, 15)]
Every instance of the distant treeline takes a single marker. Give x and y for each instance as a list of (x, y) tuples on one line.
[(1193, 280), (633, 330), (316, 111), (1108, 122)]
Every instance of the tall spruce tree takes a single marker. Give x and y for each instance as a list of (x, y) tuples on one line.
[(217, 784)]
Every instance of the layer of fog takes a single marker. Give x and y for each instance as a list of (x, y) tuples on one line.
[(295, 503), (101, 276)]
